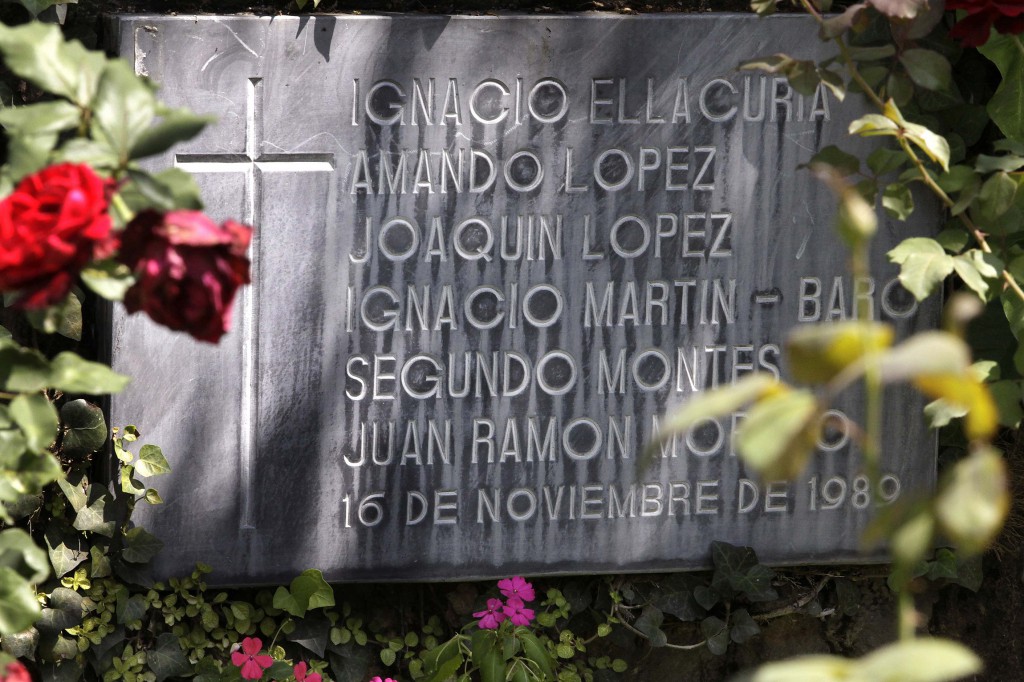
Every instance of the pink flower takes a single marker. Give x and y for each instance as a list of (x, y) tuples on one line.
[(301, 676), (516, 586), (386, 679), (492, 617), (517, 612), (249, 661)]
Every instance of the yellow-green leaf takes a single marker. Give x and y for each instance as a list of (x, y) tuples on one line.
[(817, 353), (974, 500), (779, 433)]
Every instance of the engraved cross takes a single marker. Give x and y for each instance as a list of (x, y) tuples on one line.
[(254, 163)]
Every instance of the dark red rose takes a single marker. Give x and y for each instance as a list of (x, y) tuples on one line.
[(15, 672), (973, 30), (54, 223), (188, 269)]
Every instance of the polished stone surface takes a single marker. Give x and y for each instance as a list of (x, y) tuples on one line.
[(490, 252)]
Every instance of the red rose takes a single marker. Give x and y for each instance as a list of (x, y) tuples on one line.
[(973, 30), (187, 268), (53, 224), (15, 672)]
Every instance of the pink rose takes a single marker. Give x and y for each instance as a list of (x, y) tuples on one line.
[(15, 672), (188, 269), (53, 224)]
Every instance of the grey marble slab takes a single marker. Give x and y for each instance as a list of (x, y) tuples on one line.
[(490, 253)]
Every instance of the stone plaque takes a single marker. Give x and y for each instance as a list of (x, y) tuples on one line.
[(490, 253)]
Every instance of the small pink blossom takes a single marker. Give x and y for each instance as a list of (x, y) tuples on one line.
[(492, 617), (301, 676), (249, 660), (386, 679), (516, 586), (517, 612)]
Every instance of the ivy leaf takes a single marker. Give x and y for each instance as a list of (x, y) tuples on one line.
[(140, 546), (166, 658), (350, 663), (649, 622), (312, 633), (716, 632), (742, 626), (66, 549), (152, 462), (96, 517), (130, 608), (66, 610), (844, 163), (85, 430), (924, 264), (738, 571), (18, 605), (311, 589)]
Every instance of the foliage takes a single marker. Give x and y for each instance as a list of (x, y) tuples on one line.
[(951, 135)]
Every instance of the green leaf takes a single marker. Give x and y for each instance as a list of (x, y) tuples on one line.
[(153, 463), (22, 370), (18, 605), (742, 627), (779, 434), (108, 278), (975, 267), (72, 374), (719, 401), (898, 201), (180, 186), (882, 160), (176, 125), (36, 417), (844, 163), (166, 658), (492, 667), (871, 125), (738, 571), (124, 108), (153, 497), (64, 318), (919, 660), (716, 633), (649, 623), (436, 658), (1006, 107), (66, 610), (816, 354), (535, 651), (995, 197), (140, 546), (927, 68), (1007, 395), (974, 500), (85, 430), (35, 119), (66, 549), (37, 52), (312, 633), (96, 517), (924, 265), (482, 643), (311, 589), (19, 551)]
